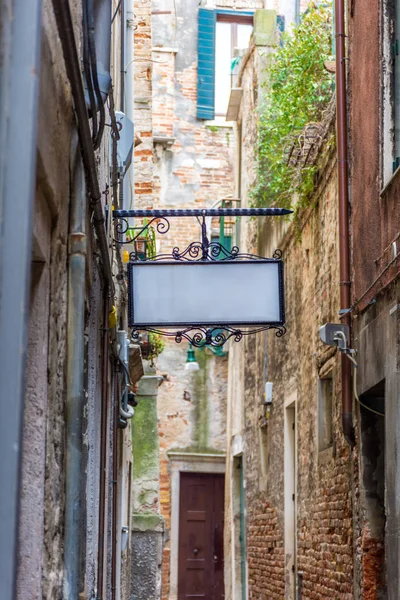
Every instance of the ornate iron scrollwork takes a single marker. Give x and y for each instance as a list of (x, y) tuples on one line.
[(215, 337), (121, 227), (199, 251), (198, 335)]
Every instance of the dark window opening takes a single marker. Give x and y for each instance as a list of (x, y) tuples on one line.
[(325, 393), (373, 478)]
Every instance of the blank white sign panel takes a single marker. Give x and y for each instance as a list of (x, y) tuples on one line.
[(212, 293)]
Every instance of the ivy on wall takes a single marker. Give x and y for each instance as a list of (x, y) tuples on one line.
[(298, 90)]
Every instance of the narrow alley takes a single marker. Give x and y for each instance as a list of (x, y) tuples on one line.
[(200, 323)]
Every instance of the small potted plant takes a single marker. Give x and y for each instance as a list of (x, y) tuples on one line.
[(151, 344), (145, 244)]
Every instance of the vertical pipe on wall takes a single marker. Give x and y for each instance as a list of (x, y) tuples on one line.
[(122, 57), (19, 87), (105, 398), (115, 486), (343, 192), (75, 374), (129, 66), (72, 62), (127, 182)]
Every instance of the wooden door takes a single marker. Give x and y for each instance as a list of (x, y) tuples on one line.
[(201, 537)]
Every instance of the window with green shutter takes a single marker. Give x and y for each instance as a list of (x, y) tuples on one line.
[(206, 64), (219, 33)]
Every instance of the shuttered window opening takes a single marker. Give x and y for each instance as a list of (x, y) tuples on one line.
[(212, 68), (206, 64)]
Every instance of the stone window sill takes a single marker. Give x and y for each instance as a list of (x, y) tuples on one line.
[(219, 122)]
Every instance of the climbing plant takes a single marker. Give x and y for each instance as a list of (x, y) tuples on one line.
[(298, 90)]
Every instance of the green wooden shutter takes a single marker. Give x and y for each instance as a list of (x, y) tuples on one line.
[(206, 64)]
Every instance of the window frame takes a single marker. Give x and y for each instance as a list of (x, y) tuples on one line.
[(325, 416), (207, 22), (233, 19)]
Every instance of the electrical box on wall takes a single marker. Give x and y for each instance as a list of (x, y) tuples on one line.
[(268, 393), (334, 334)]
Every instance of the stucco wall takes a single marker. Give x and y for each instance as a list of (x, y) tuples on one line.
[(371, 210), (43, 478)]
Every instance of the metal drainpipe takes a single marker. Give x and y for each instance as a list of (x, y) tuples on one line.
[(105, 387), (129, 66), (115, 484), (343, 190), (66, 32), (75, 375), (122, 56)]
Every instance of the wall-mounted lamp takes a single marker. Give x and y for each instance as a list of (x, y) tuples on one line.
[(191, 362)]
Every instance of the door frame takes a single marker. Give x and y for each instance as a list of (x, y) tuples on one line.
[(187, 462), (290, 495)]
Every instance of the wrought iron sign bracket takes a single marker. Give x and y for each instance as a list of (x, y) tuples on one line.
[(204, 251)]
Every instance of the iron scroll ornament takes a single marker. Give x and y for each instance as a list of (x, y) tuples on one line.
[(214, 337), (121, 227), (197, 252), (204, 251)]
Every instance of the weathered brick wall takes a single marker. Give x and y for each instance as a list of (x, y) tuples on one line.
[(196, 169), (265, 553), (325, 479), (143, 153)]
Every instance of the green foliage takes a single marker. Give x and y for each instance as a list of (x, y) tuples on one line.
[(298, 91), (147, 237), (157, 345)]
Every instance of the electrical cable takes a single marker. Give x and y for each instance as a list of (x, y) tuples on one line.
[(376, 412), (93, 65), (87, 70), (116, 11), (121, 362)]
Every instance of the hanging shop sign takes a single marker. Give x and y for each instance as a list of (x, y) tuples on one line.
[(236, 293), (205, 294)]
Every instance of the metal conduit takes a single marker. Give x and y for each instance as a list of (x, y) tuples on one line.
[(343, 191), (65, 31), (75, 375), (105, 387)]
